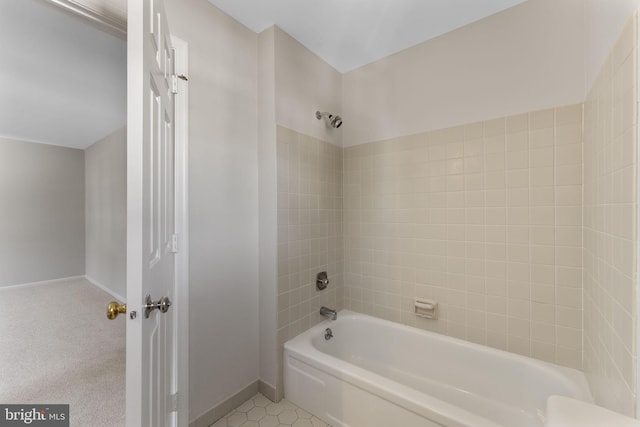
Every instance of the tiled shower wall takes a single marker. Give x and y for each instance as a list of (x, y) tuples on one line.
[(610, 270), (486, 219), (310, 238)]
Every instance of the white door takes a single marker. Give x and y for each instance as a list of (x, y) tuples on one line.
[(151, 381)]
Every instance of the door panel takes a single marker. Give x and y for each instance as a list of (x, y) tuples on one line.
[(150, 216)]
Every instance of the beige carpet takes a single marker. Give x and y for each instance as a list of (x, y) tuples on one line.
[(57, 346)]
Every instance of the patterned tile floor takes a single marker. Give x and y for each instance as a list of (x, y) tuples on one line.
[(261, 412)]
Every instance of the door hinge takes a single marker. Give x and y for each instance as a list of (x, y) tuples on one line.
[(173, 402), (174, 82), (174, 244)]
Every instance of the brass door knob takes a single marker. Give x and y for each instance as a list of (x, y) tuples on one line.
[(113, 309)]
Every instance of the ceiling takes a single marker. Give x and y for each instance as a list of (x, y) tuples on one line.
[(63, 81), (349, 34)]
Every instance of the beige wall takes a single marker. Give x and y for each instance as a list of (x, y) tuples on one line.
[(304, 85), (42, 216), (223, 202), (293, 84), (610, 228), (268, 200), (526, 58), (485, 219), (106, 212), (604, 21), (310, 238)]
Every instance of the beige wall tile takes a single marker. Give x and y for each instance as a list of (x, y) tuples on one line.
[(491, 219), (484, 231), (310, 228), (542, 119), (609, 231)]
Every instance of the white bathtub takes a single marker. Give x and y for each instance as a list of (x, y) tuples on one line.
[(378, 373)]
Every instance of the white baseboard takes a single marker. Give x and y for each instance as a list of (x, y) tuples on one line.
[(92, 281), (41, 283), (268, 391), (97, 284)]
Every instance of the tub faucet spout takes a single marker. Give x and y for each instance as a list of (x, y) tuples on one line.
[(328, 313)]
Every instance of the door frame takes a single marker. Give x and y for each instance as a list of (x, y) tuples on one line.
[(100, 18), (181, 326)]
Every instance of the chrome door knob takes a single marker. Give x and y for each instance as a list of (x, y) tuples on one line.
[(162, 304)]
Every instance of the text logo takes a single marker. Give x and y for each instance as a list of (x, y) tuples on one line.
[(34, 415)]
